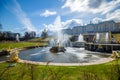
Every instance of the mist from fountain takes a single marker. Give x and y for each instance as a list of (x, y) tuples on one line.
[(59, 39), (66, 41), (52, 42), (63, 41)]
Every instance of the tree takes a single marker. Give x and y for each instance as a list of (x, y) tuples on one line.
[(32, 34), (1, 32), (0, 26), (26, 35), (44, 34), (29, 35)]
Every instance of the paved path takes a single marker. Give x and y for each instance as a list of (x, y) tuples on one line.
[(104, 60)]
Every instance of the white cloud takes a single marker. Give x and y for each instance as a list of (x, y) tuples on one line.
[(21, 15), (48, 13), (71, 23), (109, 16), (55, 26), (88, 6), (114, 16), (97, 20), (58, 24)]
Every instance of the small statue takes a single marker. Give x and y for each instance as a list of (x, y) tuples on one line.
[(115, 54), (13, 56)]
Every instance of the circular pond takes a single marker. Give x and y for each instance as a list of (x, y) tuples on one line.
[(71, 55)]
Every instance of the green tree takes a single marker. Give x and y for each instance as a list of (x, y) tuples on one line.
[(44, 34), (0, 26)]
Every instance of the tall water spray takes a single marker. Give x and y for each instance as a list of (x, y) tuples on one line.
[(107, 37), (80, 38), (17, 38), (59, 39), (58, 28), (97, 37)]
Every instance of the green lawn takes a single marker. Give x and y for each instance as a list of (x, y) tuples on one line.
[(40, 39), (107, 71), (5, 45)]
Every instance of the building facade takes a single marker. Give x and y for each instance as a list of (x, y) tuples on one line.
[(106, 26)]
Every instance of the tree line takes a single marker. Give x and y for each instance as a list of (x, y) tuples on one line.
[(11, 36)]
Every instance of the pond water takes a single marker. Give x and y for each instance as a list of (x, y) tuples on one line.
[(71, 55)]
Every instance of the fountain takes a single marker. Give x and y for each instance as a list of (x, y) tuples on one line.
[(102, 37), (107, 37), (17, 38), (80, 38), (61, 46), (97, 37), (79, 43), (60, 41)]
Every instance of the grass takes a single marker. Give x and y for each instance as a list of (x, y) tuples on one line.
[(107, 71), (5, 45), (36, 39), (40, 39)]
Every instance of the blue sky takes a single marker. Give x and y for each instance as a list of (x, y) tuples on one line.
[(35, 15)]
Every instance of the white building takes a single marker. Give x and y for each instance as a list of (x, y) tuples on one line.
[(106, 26)]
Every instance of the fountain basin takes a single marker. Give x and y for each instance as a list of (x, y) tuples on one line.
[(71, 55)]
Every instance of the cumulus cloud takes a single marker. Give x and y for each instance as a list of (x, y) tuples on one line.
[(58, 24), (16, 9), (114, 16), (48, 13), (97, 20), (93, 6)]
